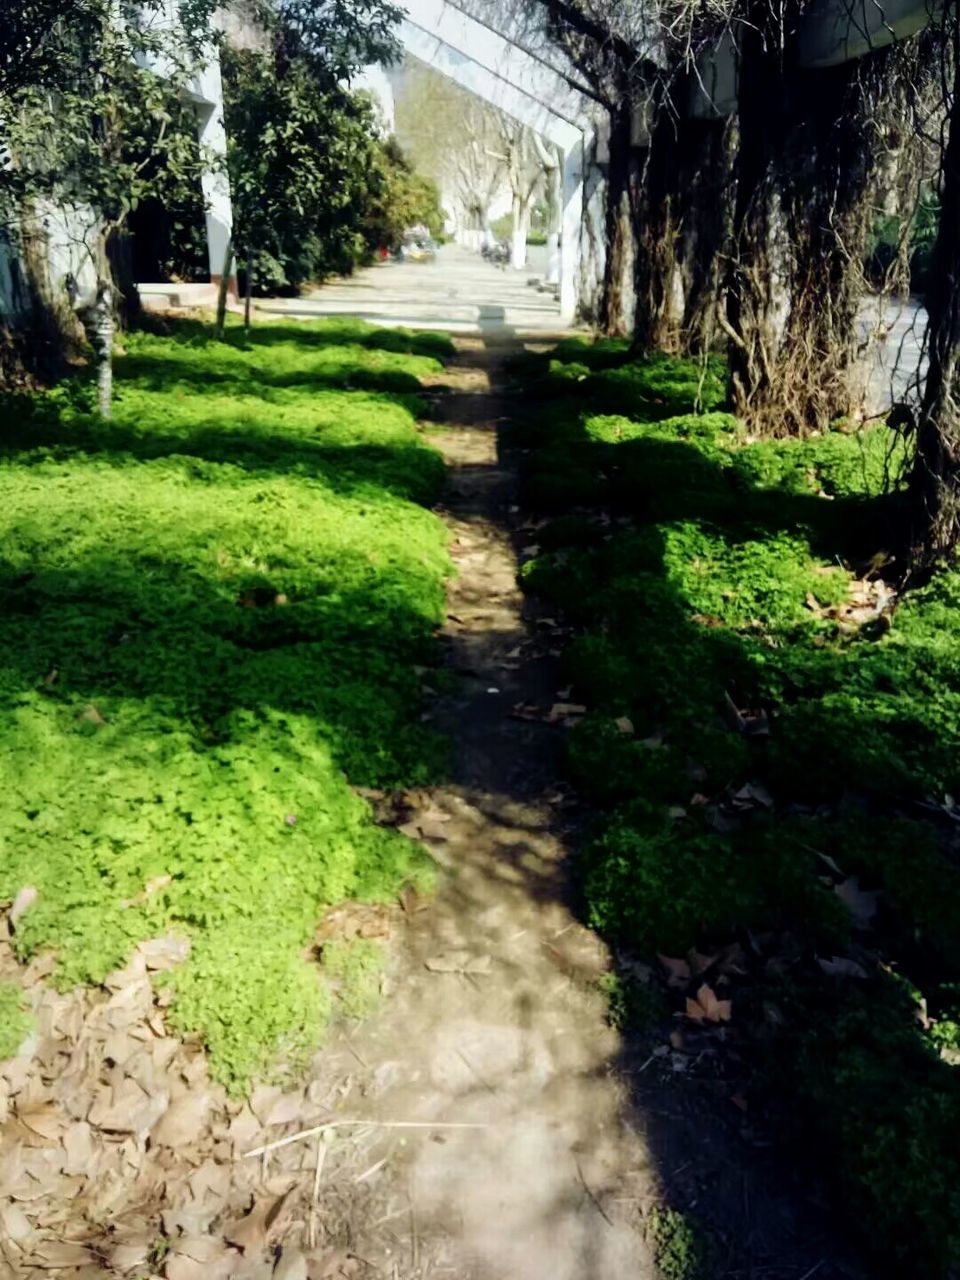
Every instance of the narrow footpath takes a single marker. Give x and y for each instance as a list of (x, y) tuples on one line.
[(496, 1018)]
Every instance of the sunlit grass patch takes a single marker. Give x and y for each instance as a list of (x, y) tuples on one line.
[(215, 611)]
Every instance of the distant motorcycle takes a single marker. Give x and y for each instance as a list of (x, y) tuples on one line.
[(498, 253)]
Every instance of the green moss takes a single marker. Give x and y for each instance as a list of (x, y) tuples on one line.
[(699, 570), (880, 1109), (15, 1020), (665, 883), (679, 1246), (215, 611), (355, 969), (632, 1005)]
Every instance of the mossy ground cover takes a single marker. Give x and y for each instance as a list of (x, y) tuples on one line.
[(213, 613), (771, 777)]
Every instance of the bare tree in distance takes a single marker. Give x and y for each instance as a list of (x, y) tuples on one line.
[(454, 138)]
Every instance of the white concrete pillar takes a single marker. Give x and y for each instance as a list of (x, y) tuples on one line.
[(214, 181), (570, 232)]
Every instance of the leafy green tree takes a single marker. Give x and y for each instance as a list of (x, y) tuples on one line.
[(406, 198), (98, 121), (303, 166)]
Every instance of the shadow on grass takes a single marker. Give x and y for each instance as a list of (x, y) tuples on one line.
[(214, 613), (689, 589), (153, 372), (258, 449), (326, 332)]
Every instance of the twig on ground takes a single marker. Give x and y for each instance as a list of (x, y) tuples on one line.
[(359, 1057), (374, 1124), (599, 1207), (317, 1174), (368, 1173), (813, 1271)]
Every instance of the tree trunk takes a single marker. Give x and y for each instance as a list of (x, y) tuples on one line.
[(935, 484), (658, 283), (101, 330), (246, 298), (619, 237), (805, 161), (224, 289), (103, 346), (521, 220), (53, 336)]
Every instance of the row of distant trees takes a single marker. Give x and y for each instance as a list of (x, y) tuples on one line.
[(95, 117), (474, 152)]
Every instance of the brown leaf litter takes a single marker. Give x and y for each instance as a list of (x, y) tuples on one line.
[(119, 1157)]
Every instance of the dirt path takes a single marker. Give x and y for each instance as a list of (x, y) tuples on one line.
[(496, 1019)]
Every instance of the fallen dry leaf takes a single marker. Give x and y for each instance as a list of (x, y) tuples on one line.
[(91, 715), (707, 1008), (751, 795), (54, 1254), (14, 1224), (22, 903), (411, 901), (264, 1224), (700, 963), (292, 1266), (286, 1109), (527, 711), (152, 887), (46, 1121), (164, 952), (132, 1254), (244, 1128), (127, 1109), (458, 962), (182, 1121), (678, 971), (841, 967), (624, 724), (566, 711), (861, 903)]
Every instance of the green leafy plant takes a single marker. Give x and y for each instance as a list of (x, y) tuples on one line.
[(708, 579), (216, 612), (355, 969), (679, 1246), (15, 1020)]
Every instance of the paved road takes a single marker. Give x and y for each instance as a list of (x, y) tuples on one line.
[(459, 292)]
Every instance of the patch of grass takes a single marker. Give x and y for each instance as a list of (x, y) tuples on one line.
[(215, 609), (679, 1247), (355, 969), (702, 572), (15, 1020), (631, 1005)]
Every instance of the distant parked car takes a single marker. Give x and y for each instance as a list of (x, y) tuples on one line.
[(418, 245)]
